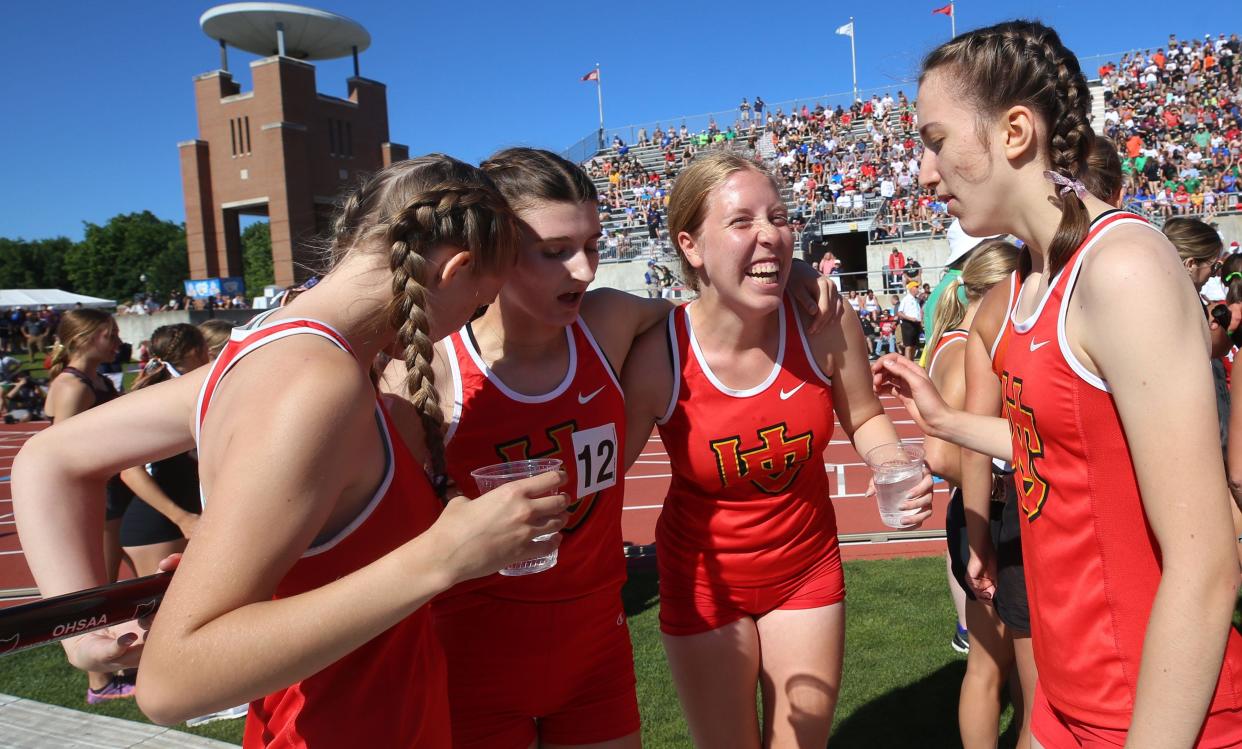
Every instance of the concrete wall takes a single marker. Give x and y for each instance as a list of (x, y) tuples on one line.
[(1230, 228), (627, 276), (931, 253), (137, 328)]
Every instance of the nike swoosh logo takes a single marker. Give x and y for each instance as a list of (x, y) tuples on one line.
[(787, 395), (585, 399), (1037, 346)]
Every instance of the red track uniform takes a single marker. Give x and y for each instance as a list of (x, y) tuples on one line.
[(1092, 565), (948, 337), (553, 646), (391, 690), (747, 526)]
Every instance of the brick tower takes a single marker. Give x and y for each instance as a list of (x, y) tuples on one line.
[(282, 150)]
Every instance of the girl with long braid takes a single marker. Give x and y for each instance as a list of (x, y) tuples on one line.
[(1126, 538), (321, 537), (166, 504)]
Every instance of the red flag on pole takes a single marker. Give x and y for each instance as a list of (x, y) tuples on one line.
[(945, 11), (592, 76)]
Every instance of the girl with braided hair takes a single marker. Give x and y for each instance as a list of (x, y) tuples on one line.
[(322, 538), (166, 504), (535, 376), (1126, 537)]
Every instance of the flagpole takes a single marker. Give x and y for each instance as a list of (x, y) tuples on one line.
[(952, 19), (853, 60), (599, 92)]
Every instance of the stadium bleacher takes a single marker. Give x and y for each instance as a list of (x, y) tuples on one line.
[(1173, 112)]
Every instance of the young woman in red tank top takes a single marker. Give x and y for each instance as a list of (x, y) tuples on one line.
[(751, 589), (322, 538), (999, 634), (1111, 422), (534, 376)]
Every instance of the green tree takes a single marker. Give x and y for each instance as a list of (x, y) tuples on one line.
[(34, 264), (256, 242), (112, 259)]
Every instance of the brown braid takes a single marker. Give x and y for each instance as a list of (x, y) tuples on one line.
[(452, 214), (411, 208), (1024, 62), (171, 344)]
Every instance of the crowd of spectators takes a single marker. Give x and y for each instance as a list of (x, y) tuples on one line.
[(27, 331), (1174, 111), (835, 163), (147, 304)]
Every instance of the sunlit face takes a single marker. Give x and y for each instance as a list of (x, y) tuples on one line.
[(961, 169), (107, 342), (557, 261), (744, 247)]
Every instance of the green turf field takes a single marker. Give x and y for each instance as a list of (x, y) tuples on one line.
[(900, 686)]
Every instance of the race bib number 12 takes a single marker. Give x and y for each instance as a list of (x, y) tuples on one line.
[(595, 451)]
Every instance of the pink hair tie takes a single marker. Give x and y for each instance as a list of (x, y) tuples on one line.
[(1066, 184)]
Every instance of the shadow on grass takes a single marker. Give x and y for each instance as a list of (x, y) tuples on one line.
[(641, 590), (923, 714)]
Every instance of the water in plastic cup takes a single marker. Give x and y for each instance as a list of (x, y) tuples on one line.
[(898, 468), (492, 476)]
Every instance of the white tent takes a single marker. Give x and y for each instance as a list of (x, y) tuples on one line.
[(10, 298)]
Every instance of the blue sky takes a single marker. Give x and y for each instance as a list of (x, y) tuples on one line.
[(97, 94)]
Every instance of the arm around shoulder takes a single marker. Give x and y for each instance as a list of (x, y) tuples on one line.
[(647, 380), (617, 318)]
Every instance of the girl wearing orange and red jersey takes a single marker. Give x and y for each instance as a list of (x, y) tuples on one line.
[(1126, 538), (751, 586)]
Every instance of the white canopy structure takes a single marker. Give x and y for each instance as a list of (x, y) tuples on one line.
[(10, 298)]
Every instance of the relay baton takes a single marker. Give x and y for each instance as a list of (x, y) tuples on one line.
[(32, 624)]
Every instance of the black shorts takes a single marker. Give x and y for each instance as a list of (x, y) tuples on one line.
[(1003, 525), (1011, 603), (178, 479), (118, 496), (143, 526), (910, 333)]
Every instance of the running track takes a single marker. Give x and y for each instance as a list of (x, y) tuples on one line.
[(863, 536)]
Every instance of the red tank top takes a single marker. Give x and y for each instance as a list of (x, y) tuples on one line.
[(391, 691), (748, 504), (956, 335), (582, 422), (1092, 565)]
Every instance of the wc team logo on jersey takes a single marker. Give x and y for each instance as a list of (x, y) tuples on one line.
[(1028, 448), (592, 452), (772, 466)]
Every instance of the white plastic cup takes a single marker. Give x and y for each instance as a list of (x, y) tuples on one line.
[(490, 477), (897, 469)]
